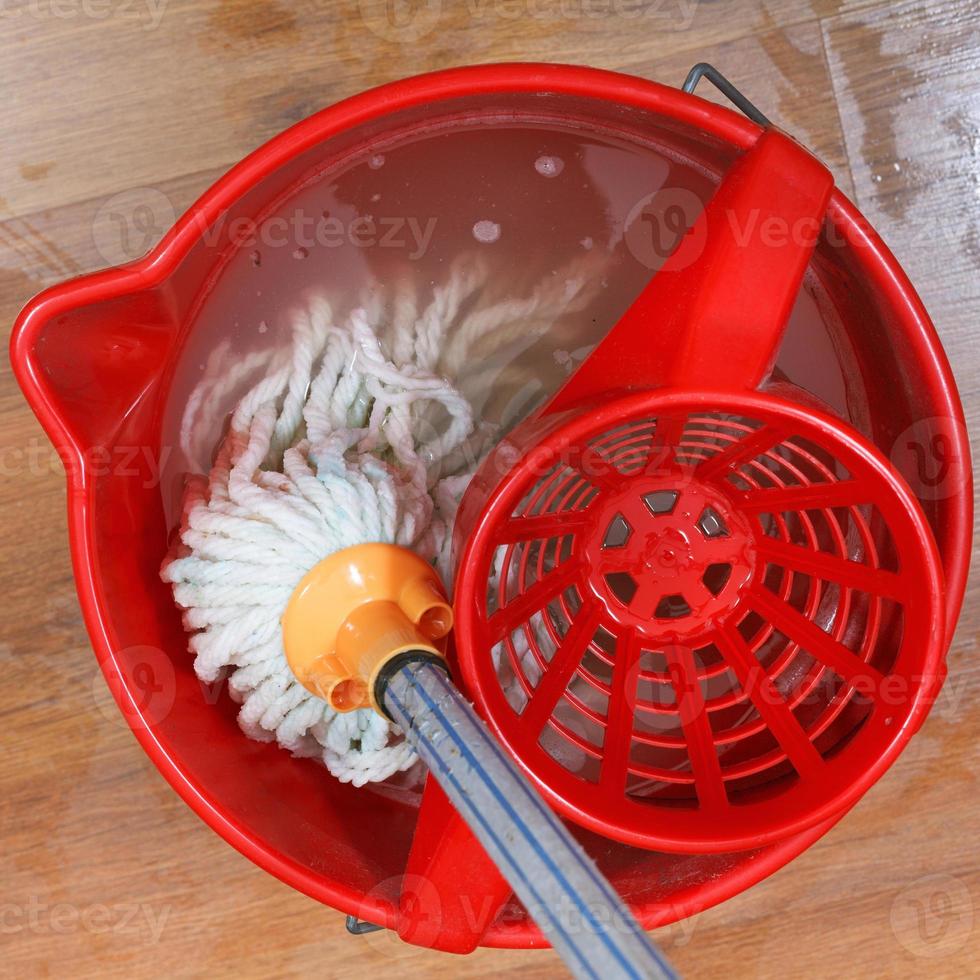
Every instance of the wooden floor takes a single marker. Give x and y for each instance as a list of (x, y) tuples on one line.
[(104, 871)]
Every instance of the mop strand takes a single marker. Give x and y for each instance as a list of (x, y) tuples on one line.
[(359, 436)]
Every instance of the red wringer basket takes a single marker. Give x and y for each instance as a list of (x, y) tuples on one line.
[(704, 617)]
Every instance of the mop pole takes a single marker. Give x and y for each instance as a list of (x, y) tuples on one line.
[(560, 886)]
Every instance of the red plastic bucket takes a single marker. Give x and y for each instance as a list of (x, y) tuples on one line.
[(100, 360)]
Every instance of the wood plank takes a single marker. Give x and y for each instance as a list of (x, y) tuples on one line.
[(102, 113), (151, 89)]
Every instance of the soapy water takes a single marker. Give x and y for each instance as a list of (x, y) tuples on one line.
[(528, 201), (524, 203), (549, 166), (486, 231)]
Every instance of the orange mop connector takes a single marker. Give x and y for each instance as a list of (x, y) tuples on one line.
[(356, 611)]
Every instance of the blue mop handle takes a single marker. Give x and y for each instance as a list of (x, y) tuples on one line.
[(560, 886)]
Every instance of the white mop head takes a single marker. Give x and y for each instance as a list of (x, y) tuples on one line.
[(359, 437)]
